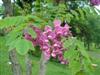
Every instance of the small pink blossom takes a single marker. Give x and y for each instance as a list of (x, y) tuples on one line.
[(57, 23), (48, 29), (64, 62), (28, 36)]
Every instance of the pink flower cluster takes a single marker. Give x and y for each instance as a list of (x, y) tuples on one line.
[(95, 2), (49, 40)]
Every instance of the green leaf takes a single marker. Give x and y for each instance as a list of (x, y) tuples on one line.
[(12, 45), (75, 14), (32, 33), (11, 21), (71, 54), (80, 73), (87, 66), (11, 37), (22, 46), (75, 67), (83, 50), (69, 43), (81, 13)]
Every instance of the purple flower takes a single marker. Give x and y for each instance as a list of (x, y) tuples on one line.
[(64, 62), (53, 54), (49, 40), (37, 30), (28, 36), (47, 54), (48, 29), (43, 37), (45, 46), (51, 35), (60, 57), (57, 23), (95, 2), (61, 31)]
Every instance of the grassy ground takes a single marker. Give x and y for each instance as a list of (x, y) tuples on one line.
[(52, 67), (96, 59)]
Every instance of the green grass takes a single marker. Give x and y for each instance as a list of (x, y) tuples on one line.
[(53, 68), (96, 60)]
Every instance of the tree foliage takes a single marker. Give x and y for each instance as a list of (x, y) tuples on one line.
[(82, 18)]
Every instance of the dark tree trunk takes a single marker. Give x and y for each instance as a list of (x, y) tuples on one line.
[(8, 8), (88, 46), (43, 63), (28, 65), (15, 65)]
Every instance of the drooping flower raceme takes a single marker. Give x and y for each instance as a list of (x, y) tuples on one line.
[(49, 40), (95, 2)]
